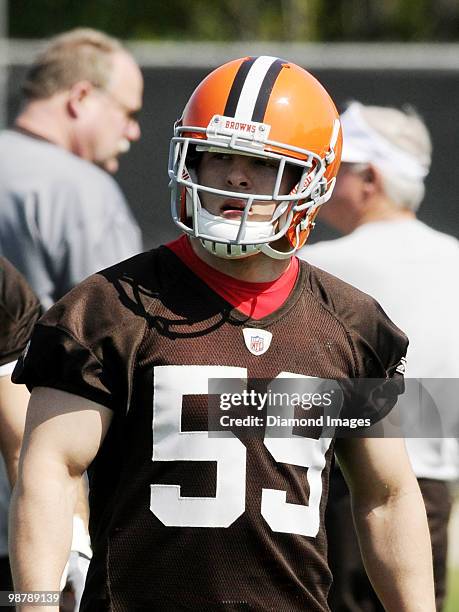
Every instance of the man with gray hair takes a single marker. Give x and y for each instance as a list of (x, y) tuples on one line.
[(61, 216), (411, 270)]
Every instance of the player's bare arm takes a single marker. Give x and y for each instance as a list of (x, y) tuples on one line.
[(13, 408), (62, 435), (391, 522)]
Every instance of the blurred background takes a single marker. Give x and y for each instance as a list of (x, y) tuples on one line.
[(388, 52)]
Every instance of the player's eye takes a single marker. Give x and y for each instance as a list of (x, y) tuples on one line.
[(267, 163), (220, 156)]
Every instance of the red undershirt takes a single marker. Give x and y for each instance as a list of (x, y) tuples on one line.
[(257, 300)]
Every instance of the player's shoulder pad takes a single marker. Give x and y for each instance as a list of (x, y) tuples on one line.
[(380, 344), (117, 297)]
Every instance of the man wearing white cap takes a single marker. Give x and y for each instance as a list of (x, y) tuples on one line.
[(411, 270)]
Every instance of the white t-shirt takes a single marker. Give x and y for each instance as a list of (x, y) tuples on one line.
[(412, 270)]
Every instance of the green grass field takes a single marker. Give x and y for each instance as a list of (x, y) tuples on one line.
[(452, 603)]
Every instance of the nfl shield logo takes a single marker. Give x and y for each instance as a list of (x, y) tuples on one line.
[(256, 344), (257, 340)]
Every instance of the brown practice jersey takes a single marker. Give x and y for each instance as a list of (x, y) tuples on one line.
[(181, 520), (19, 310)]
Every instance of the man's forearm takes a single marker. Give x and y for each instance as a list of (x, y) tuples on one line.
[(41, 532), (396, 550)]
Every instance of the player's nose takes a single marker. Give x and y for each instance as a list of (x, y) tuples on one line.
[(238, 174)]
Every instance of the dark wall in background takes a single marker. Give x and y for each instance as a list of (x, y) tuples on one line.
[(143, 172)]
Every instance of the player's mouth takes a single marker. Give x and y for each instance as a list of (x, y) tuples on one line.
[(233, 209)]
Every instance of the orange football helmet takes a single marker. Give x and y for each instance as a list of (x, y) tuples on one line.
[(264, 107)]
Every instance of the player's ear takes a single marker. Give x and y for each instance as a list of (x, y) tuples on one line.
[(78, 97)]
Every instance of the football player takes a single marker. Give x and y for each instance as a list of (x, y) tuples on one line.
[(121, 368)]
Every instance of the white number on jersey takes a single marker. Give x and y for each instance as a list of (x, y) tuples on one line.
[(172, 444)]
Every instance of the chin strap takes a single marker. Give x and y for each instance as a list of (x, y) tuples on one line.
[(268, 250), (275, 254)]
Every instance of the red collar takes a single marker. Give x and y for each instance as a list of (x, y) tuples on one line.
[(256, 300)]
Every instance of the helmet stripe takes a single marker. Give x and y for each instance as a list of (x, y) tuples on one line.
[(252, 86), (251, 89), (265, 90), (236, 88)]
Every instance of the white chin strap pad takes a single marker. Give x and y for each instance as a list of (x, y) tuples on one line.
[(230, 251), (228, 229)]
